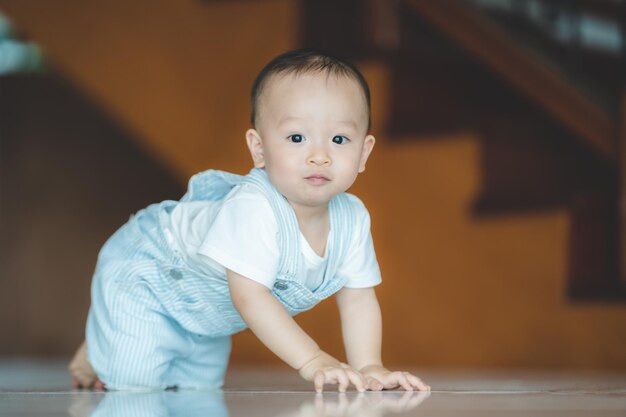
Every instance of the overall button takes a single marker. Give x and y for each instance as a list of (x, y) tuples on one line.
[(176, 274), (281, 286)]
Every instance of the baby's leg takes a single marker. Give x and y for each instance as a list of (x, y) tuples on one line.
[(83, 375), (204, 364), (132, 341)]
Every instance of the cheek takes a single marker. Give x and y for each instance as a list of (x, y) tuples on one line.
[(281, 168), (282, 162), (347, 166), (351, 161), (287, 158)]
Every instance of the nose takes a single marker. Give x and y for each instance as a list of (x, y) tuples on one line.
[(319, 156)]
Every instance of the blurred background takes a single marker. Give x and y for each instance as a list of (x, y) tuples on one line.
[(495, 187)]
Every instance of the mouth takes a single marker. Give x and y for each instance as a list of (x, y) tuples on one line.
[(317, 179)]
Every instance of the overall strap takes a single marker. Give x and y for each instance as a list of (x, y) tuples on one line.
[(342, 223), (211, 185), (341, 220), (288, 229), (214, 185)]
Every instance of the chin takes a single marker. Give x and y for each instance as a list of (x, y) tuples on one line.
[(314, 202)]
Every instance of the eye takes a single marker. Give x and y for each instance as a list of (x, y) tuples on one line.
[(296, 138), (340, 140)]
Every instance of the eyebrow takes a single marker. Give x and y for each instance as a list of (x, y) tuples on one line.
[(286, 119), (348, 122), (289, 119)]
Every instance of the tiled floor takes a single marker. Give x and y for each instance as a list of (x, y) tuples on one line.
[(40, 388)]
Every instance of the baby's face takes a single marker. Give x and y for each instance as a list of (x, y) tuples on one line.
[(311, 136)]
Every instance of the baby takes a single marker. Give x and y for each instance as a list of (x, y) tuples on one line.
[(179, 278)]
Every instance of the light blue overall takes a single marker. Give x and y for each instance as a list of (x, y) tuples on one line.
[(155, 322)]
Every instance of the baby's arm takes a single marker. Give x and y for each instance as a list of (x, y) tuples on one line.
[(277, 330), (361, 324)]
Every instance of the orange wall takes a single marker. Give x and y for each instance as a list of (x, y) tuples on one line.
[(176, 73), (457, 291)]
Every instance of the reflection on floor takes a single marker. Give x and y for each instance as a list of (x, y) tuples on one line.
[(40, 388)]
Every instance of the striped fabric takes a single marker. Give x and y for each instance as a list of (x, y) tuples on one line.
[(154, 322)]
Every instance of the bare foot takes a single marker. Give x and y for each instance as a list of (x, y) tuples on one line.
[(83, 375)]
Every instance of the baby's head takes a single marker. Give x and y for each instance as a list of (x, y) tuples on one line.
[(310, 118), (306, 61)]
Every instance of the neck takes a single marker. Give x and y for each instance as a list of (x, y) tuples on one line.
[(308, 214), (314, 224)]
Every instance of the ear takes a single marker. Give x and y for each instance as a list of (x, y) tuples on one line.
[(255, 145), (368, 145)]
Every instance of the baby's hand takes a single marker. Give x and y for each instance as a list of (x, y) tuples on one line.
[(381, 378), (324, 369)]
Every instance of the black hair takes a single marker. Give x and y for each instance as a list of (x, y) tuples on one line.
[(306, 61)]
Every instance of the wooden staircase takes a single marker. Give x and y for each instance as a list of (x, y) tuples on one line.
[(546, 144)]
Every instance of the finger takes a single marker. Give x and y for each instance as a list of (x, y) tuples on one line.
[(416, 382), (374, 385), (401, 380), (356, 379), (337, 376), (318, 380), (343, 379)]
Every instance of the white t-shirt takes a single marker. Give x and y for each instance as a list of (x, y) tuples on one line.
[(243, 238)]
